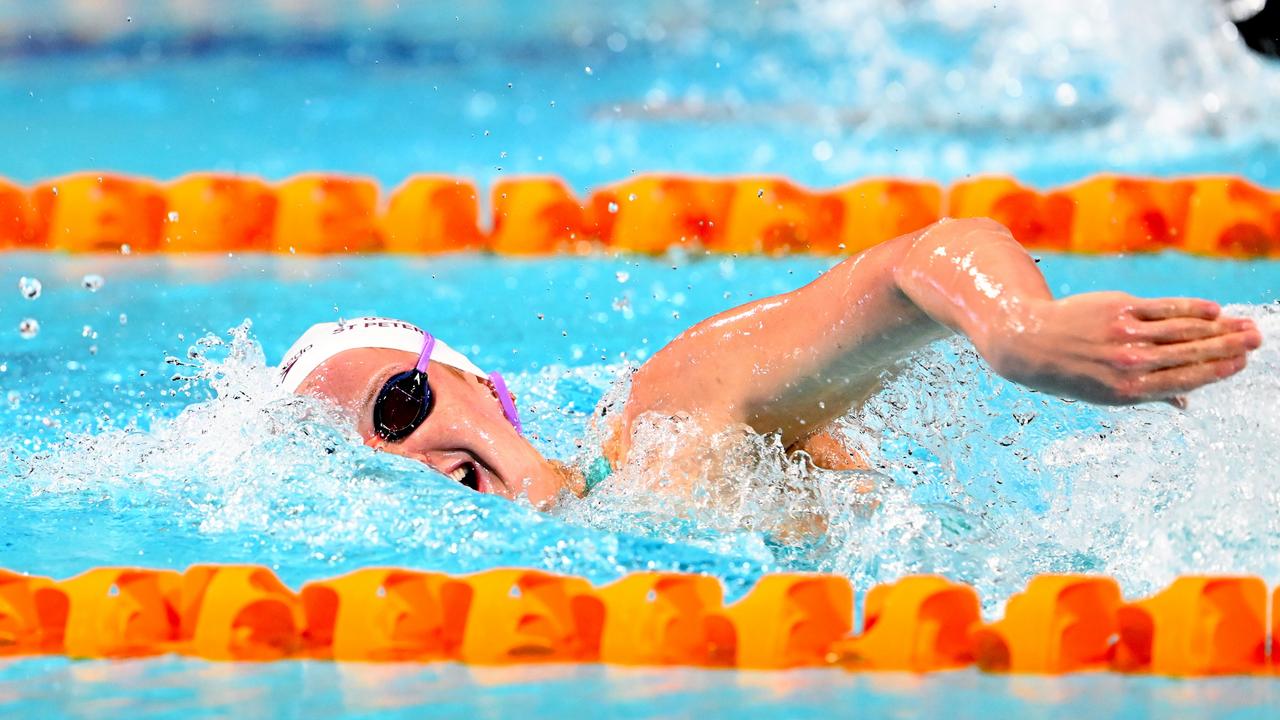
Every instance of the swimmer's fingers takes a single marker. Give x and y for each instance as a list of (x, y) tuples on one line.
[(1166, 308), (1186, 329), (1222, 347), (1167, 384)]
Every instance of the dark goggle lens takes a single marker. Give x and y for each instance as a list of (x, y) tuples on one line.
[(402, 405)]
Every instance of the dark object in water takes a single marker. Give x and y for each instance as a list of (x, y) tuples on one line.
[(1261, 32)]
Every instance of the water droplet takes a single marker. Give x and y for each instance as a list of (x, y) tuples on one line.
[(124, 319), (4, 367), (92, 282), (540, 316), (587, 70), (613, 207), (30, 287), (14, 398), (760, 193), (173, 216), (125, 249), (1065, 94), (631, 197), (622, 276), (86, 331), (28, 328)]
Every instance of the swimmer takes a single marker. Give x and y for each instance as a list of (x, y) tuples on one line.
[(791, 364)]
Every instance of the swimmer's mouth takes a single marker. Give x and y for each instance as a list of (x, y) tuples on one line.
[(467, 474)]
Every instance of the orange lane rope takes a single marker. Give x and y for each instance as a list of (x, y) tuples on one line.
[(1199, 625), (1220, 216)]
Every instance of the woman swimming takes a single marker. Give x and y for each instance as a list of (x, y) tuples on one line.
[(790, 364)]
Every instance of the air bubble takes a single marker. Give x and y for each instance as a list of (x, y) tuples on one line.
[(622, 276), (29, 328), (29, 287), (92, 282)]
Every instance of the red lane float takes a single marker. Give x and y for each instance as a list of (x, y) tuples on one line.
[(98, 213), (1039, 221), (1060, 623), (385, 614), (791, 620), (433, 214), (1196, 626), (920, 624), (16, 220), (666, 619), (521, 616), (33, 615), (538, 216), (1231, 217), (1199, 625), (654, 213), (881, 209), (207, 212), (239, 612), (121, 612), (322, 214)]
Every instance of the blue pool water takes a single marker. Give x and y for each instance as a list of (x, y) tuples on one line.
[(107, 458), (820, 91)]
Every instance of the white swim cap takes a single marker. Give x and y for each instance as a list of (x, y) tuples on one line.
[(324, 340)]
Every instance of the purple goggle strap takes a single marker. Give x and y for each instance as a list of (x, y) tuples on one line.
[(499, 385), (428, 344), (504, 398)]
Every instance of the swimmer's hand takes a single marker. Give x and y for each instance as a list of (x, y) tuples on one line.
[(1112, 348)]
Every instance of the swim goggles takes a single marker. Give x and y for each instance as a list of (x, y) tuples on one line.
[(405, 401)]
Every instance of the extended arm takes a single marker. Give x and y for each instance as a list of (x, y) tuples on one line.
[(794, 362)]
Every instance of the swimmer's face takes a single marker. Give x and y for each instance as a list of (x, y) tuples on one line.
[(466, 437)]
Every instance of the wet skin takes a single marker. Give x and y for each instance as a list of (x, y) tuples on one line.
[(795, 362)]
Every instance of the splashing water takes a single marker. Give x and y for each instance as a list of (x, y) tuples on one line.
[(983, 480), (974, 477)]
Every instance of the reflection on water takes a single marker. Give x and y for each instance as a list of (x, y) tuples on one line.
[(191, 688)]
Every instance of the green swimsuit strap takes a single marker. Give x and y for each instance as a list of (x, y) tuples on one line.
[(597, 472)]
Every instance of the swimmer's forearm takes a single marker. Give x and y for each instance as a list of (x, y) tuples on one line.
[(972, 277), (1103, 347)]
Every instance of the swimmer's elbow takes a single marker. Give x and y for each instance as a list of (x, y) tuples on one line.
[(949, 237), (972, 224)]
